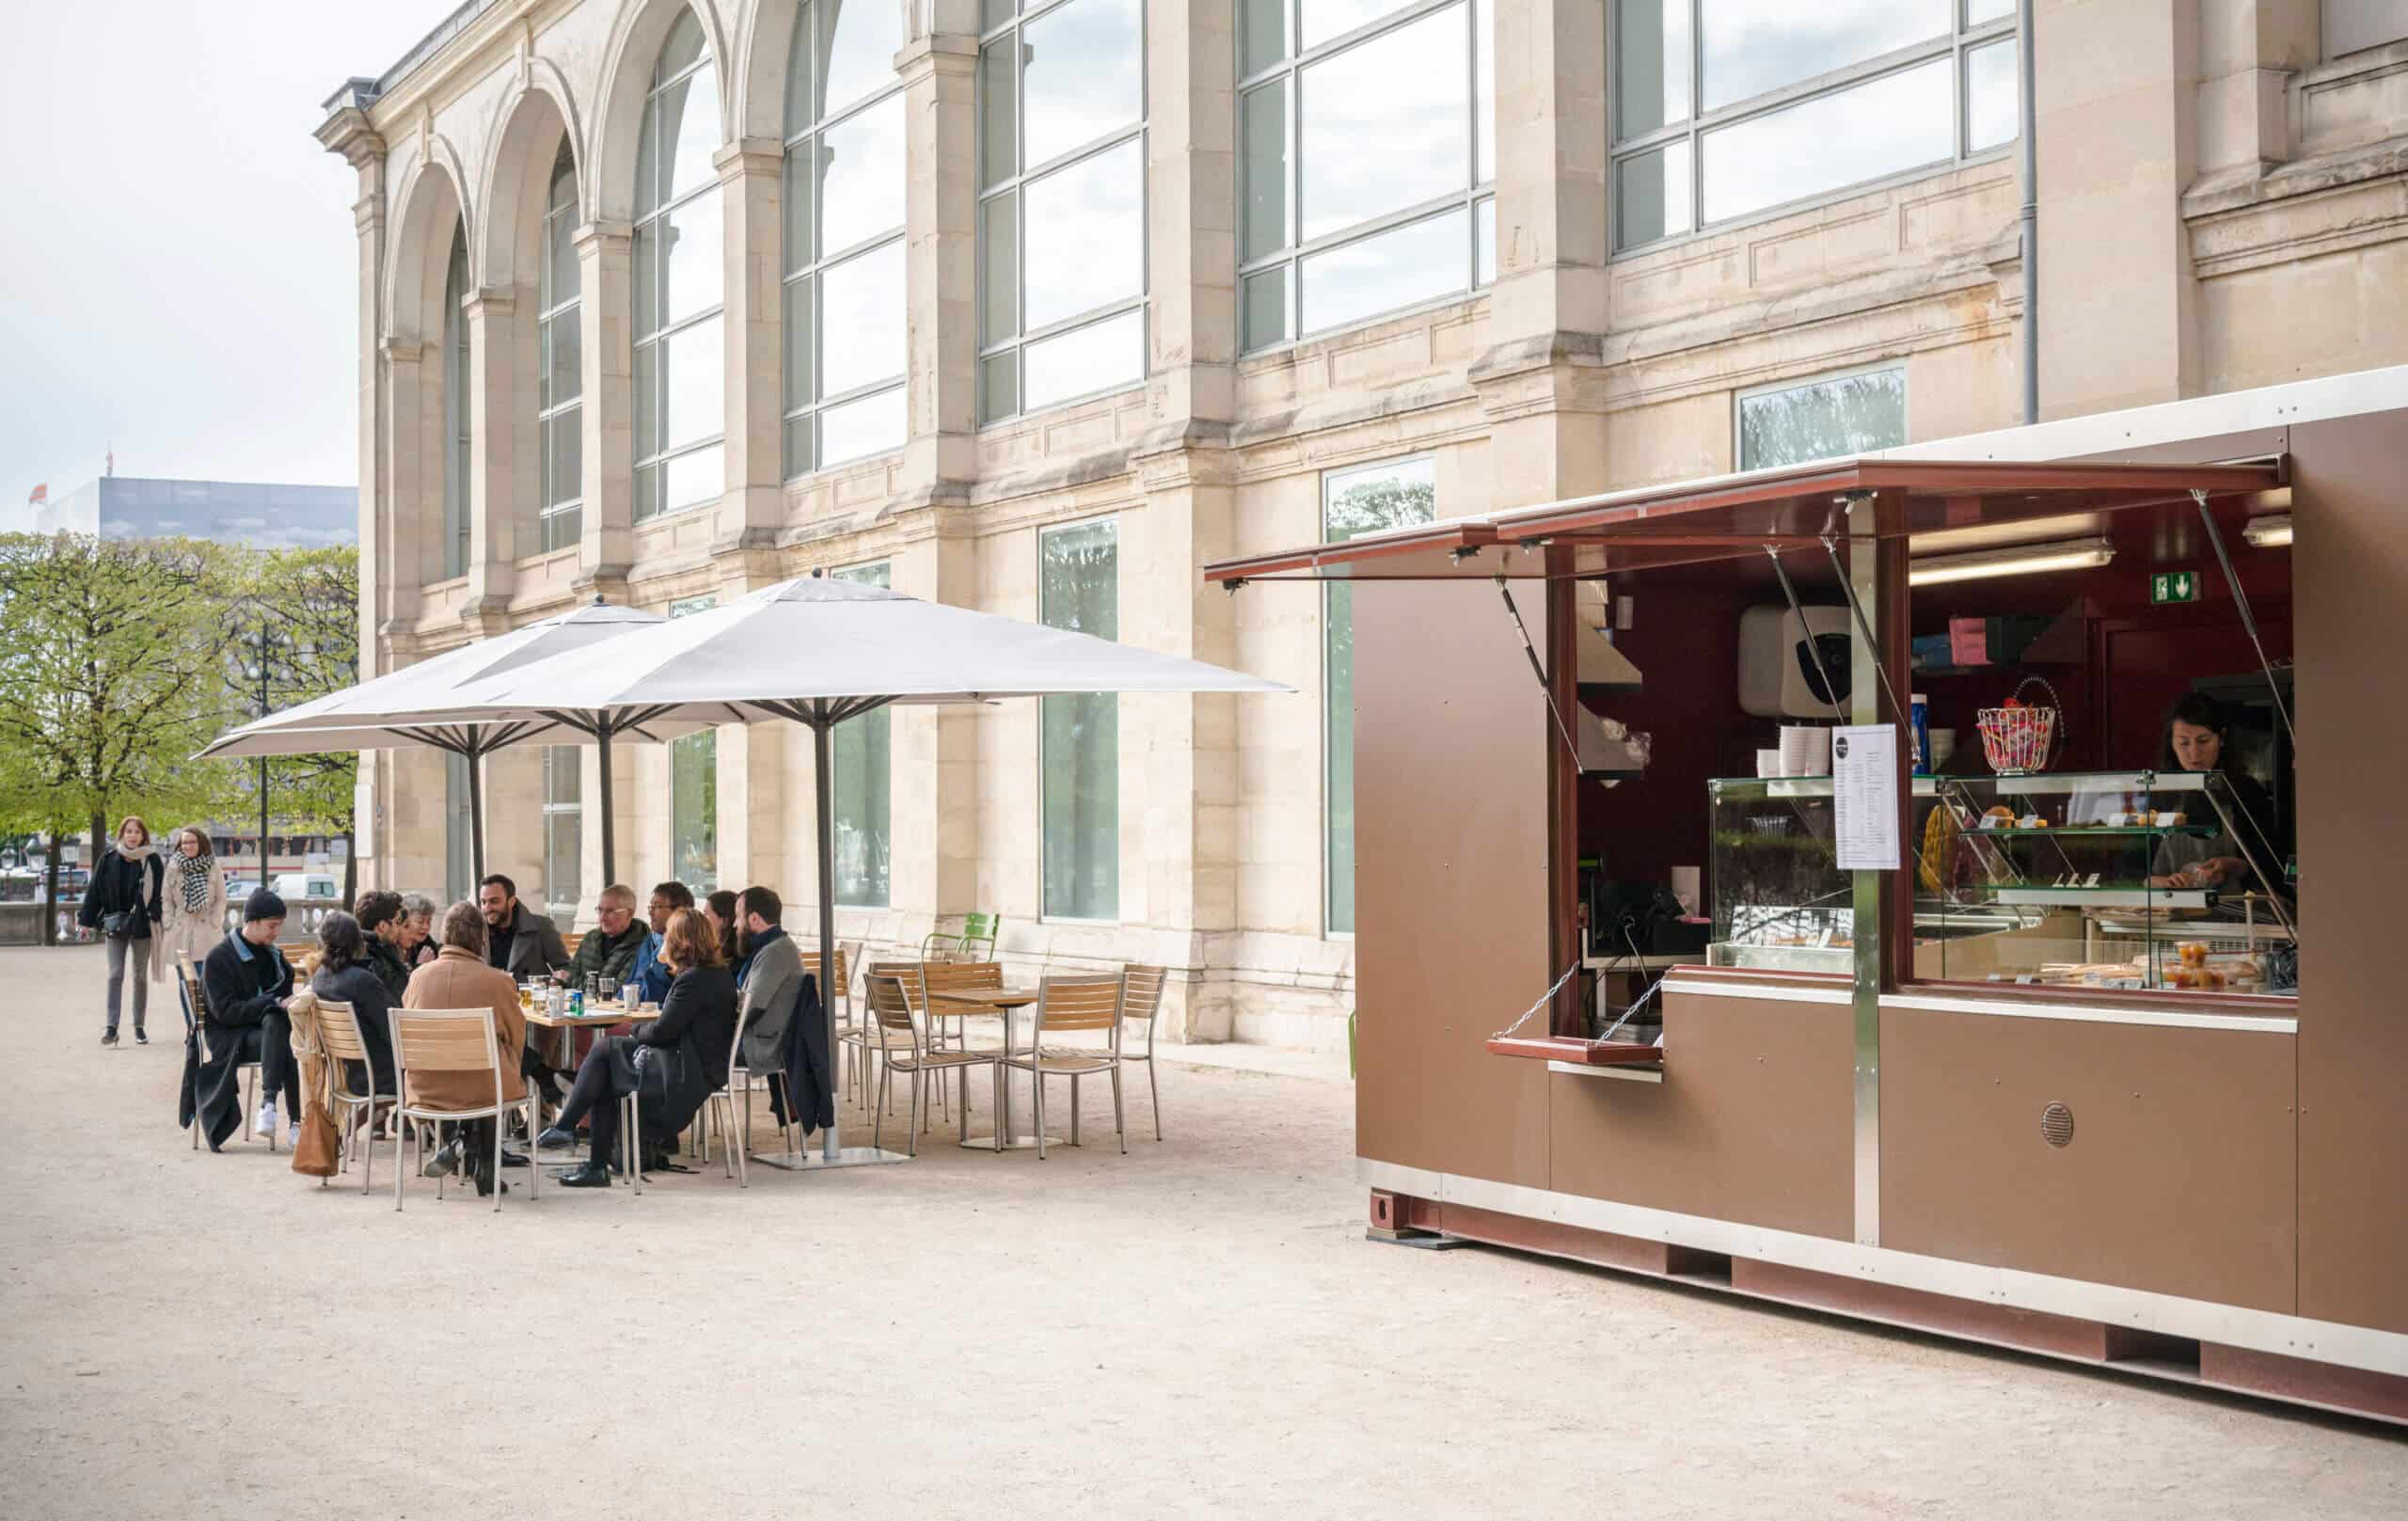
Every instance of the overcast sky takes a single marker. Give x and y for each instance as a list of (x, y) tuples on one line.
[(179, 276)]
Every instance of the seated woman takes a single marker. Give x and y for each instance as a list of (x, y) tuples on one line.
[(2198, 738), (676, 1061), (459, 978), (346, 975), (416, 939)]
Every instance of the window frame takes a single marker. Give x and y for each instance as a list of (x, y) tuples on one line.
[(1825, 377), (458, 361), (549, 417), (658, 340), (553, 758), (1015, 186), (858, 574), (1044, 532), (1954, 44), (1286, 76), (814, 269)]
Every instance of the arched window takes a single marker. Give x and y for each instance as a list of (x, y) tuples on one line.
[(560, 380), (845, 326), (680, 364), (455, 409)]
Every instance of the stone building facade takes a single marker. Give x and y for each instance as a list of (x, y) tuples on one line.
[(1040, 307)]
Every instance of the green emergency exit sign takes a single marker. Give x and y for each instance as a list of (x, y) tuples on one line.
[(2173, 586)]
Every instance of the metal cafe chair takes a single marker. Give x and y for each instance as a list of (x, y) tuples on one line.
[(868, 1040), (1143, 1008), (1070, 1005), (906, 1049), (718, 1111), (196, 1002), (429, 1040), (974, 941), (339, 1031)]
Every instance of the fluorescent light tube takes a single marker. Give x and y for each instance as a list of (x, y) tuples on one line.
[(2021, 560), (2268, 532)]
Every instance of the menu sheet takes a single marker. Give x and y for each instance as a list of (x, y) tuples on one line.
[(1865, 790)]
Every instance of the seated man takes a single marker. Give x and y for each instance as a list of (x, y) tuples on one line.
[(666, 899), (459, 978), (606, 958), (676, 1061), (527, 945), (772, 978), (247, 982), (345, 976), (382, 922)]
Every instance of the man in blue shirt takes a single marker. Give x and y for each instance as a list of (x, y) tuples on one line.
[(666, 899)]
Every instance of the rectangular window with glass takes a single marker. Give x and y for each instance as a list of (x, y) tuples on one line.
[(862, 778), (1366, 160), (1079, 757), (559, 376), (1726, 109), (678, 272), (1827, 418), (564, 832), (1062, 202), (694, 791), (1364, 499)]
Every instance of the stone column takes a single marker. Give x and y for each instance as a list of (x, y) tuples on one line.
[(2117, 108), (756, 809), (607, 335), (1540, 379), (940, 255), (495, 404), (1192, 208), (754, 504)]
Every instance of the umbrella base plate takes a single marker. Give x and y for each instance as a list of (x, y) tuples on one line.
[(816, 1160)]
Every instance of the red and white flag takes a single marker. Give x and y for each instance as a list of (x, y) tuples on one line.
[(41, 495)]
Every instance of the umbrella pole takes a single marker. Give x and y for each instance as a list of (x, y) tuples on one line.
[(609, 834), (476, 815), (824, 783)]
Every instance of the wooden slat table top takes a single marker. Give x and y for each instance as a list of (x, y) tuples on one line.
[(981, 1000)]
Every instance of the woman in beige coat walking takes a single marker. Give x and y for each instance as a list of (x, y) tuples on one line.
[(192, 902)]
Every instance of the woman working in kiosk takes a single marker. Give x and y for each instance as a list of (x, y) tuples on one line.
[(2198, 732)]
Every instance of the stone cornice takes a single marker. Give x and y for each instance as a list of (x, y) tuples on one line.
[(607, 234), (762, 156)]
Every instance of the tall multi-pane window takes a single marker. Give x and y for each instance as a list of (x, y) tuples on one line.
[(1062, 201), (693, 792), (1364, 499), (560, 379), (864, 751), (1368, 159), (1826, 417), (1079, 588), (1725, 108), (680, 362), (845, 347), (563, 830), (456, 408)]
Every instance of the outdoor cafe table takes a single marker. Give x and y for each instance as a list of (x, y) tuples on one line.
[(598, 1016), (992, 1003)]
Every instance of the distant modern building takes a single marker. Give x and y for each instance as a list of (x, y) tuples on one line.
[(251, 512)]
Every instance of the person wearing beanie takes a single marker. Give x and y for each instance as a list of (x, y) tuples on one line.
[(247, 983)]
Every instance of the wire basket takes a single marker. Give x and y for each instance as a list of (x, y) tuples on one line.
[(2018, 738)]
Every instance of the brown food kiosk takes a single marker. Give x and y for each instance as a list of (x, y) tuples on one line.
[(2092, 1068)]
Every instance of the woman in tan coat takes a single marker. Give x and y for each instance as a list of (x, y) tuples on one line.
[(459, 978), (192, 902)]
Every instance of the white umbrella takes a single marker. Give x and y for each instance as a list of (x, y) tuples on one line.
[(420, 705), (818, 651)]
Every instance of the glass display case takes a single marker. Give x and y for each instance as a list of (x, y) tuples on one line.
[(2109, 879)]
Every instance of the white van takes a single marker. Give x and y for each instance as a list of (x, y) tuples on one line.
[(307, 887)]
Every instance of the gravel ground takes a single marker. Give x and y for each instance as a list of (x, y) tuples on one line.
[(1198, 1328)]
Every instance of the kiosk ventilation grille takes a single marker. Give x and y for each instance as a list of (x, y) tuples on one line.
[(2056, 1125)]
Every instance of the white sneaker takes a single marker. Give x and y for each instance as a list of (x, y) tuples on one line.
[(293, 1135), (266, 1125)]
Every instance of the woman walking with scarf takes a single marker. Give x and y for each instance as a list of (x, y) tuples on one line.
[(123, 903), (192, 902)]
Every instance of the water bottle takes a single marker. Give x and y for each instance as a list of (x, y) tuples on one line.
[(1920, 710)]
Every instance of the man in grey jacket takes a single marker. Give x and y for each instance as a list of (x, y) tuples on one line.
[(770, 979), (527, 945)]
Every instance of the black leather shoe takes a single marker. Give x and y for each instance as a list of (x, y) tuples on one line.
[(588, 1176), (513, 1159), (555, 1139)]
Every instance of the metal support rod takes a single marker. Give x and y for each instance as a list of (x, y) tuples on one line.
[(2027, 112), (1865, 631), (1780, 571), (1545, 688), (2248, 619), (263, 872), (824, 783)]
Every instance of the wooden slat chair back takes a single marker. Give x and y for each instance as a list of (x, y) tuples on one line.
[(1139, 1013), (451, 1040), (1084, 1002), (870, 1038), (1072, 1005), (338, 1033), (906, 1050)]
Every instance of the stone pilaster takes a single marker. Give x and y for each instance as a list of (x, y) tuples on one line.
[(603, 253), (754, 504), (940, 236), (1192, 208), (500, 398), (935, 826)]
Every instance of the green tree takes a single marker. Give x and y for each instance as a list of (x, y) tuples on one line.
[(294, 635), (107, 679)]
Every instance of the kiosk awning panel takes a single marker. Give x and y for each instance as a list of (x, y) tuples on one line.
[(1722, 517)]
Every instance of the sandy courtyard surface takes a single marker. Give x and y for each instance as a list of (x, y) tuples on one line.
[(1195, 1329)]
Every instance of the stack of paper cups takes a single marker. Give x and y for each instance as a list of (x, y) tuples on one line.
[(1769, 763), (1805, 749)]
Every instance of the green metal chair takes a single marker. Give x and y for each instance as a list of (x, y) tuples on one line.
[(973, 942)]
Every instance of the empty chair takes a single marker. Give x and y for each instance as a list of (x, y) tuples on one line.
[(719, 1109), (974, 941), (867, 1040), (338, 1033), (1140, 1010), (905, 1049), (431, 1040), (1070, 1006)]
